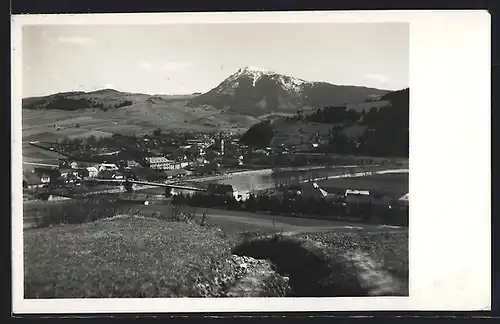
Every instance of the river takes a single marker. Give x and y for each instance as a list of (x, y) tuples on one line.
[(258, 180)]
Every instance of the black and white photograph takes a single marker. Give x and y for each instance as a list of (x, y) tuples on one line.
[(215, 160)]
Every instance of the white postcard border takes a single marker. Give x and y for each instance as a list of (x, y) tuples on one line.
[(449, 166)]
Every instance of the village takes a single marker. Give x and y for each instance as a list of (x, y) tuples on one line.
[(155, 157), (143, 161)]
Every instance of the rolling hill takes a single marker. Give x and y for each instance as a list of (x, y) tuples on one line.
[(374, 128), (255, 92), (103, 112)]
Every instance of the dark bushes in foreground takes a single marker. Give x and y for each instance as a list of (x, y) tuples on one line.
[(89, 210), (76, 212)]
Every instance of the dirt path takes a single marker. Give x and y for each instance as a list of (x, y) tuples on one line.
[(376, 280)]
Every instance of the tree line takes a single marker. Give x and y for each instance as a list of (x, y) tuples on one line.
[(318, 207), (386, 129), (72, 104)]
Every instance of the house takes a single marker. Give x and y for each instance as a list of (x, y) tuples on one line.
[(132, 164), (68, 173), (92, 172), (210, 168), (108, 166), (45, 178), (202, 160), (111, 175), (47, 175), (32, 181)]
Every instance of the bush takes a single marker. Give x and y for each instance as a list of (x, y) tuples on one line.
[(76, 212), (180, 214)]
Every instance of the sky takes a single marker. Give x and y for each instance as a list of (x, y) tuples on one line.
[(188, 58)]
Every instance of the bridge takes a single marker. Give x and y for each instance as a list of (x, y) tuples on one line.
[(127, 182)]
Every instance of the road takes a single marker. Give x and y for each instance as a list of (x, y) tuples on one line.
[(238, 221)]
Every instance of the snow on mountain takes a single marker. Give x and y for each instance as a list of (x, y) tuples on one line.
[(256, 73)]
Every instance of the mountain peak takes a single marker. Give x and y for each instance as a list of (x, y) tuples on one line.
[(256, 73), (256, 91), (254, 69)]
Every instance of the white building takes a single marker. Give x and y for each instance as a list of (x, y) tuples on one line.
[(93, 172), (107, 166), (162, 163), (350, 192), (353, 196)]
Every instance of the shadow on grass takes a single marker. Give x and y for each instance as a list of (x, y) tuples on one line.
[(312, 272)]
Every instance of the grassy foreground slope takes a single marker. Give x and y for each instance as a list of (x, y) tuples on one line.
[(147, 257), (134, 257)]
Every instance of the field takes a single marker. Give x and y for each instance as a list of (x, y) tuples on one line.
[(142, 117), (392, 184)]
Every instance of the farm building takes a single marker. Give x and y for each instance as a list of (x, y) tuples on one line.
[(357, 196)]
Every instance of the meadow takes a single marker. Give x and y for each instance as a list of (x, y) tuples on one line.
[(140, 117), (391, 184)]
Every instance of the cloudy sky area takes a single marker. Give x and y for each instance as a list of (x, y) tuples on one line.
[(181, 59)]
